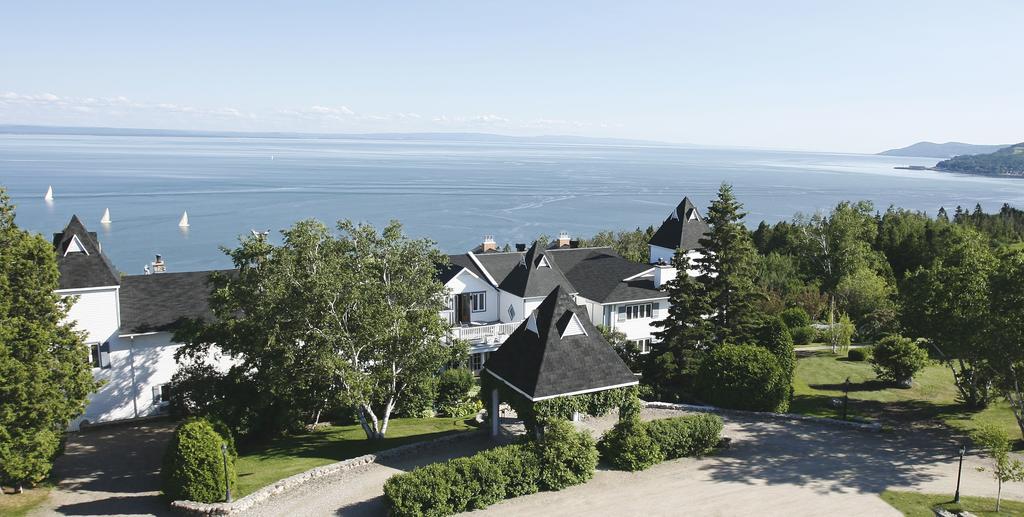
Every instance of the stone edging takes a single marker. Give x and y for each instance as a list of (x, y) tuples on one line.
[(291, 482), (872, 427)]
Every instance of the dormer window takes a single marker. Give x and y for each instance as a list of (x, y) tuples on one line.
[(574, 327), (531, 324), (543, 262), (75, 246)]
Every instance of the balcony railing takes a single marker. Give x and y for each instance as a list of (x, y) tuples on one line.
[(495, 331)]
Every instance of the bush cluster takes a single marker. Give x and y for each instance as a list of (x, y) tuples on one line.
[(897, 359), (795, 317), (803, 335), (193, 466), (562, 457), (629, 446), (744, 377), (635, 445), (453, 393), (859, 354)]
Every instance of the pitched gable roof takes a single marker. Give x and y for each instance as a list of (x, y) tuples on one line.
[(80, 258), (533, 276), (683, 228), (600, 274), (552, 362), (161, 302)]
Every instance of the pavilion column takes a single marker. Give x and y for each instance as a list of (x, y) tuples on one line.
[(495, 415)]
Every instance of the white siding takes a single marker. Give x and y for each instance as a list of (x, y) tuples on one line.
[(636, 328), (511, 300), (467, 283), (659, 253), (95, 312)]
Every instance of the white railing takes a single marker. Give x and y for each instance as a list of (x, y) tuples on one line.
[(484, 332)]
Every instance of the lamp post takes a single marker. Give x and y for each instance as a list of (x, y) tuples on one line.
[(227, 479), (963, 449), (846, 397)]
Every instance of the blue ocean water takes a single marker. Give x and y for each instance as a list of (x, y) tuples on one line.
[(452, 192)]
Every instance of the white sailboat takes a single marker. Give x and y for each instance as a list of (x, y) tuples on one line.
[(184, 220), (106, 216), (49, 193)]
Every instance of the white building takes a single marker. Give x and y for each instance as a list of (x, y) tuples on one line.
[(129, 320)]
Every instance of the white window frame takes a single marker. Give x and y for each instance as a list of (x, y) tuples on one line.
[(643, 345), (639, 311), (95, 355), (158, 394), (478, 301)]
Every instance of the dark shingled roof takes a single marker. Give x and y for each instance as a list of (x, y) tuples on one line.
[(599, 274), (161, 302), (530, 278), (545, 364), (684, 228), (499, 265), (82, 270)]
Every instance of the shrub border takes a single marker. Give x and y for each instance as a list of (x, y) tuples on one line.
[(873, 427), (294, 481)]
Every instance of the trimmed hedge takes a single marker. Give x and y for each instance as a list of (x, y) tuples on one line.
[(859, 354), (562, 457), (690, 435), (629, 446), (193, 466), (795, 317), (803, 335), (744, 377)]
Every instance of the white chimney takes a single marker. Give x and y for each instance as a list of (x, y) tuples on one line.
[(159, 266), (663, 274), (488, 244)]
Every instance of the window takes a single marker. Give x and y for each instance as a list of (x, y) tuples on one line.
[(94, 355), (643, 345), (478, 301), (162, 394), (641, 310), (476, 361), (511, 313)]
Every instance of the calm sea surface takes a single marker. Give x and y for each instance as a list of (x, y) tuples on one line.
[(452, 192)]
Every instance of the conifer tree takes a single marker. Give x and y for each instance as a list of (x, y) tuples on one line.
[(727, 269), (44, 363), (684, 332)]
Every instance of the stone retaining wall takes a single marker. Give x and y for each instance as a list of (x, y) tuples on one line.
[(872, 427), (289, 483)]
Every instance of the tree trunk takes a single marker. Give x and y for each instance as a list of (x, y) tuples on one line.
[(387, 417), (999, 495), (18, 489)]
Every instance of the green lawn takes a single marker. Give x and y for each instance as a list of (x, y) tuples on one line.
[(913, 504), (294, 454), (18, 505), (932, 399)]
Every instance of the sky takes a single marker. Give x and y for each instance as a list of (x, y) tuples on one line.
[(830, 76)]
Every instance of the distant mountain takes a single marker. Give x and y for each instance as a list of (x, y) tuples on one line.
[(1008, 161), (946, 150), (435, 136)]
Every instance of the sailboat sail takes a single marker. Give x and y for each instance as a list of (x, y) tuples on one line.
[(106, 216), (49, 193), (184, 220)]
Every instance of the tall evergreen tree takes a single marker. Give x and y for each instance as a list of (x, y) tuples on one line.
[(727, 270), (684, 332), (44, 364)]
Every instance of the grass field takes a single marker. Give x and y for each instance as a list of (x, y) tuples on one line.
[(932, 399), (18, 505), (913, 504), (294, 454)]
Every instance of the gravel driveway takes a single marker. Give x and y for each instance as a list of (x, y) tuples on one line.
[(772, 468)]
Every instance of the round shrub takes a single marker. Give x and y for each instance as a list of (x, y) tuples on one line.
[(628, 446), (476, 483), (193, 466), (897, 359), (567, 456), (802, 335), (743, 377), (418, 401), (453, 388), (425, 491), (795, 317), (859, 354), (521, 466)]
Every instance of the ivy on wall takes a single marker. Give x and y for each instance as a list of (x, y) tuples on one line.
[(597, 403)]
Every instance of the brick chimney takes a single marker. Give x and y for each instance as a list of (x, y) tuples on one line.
[(563, 239), (488, 244)]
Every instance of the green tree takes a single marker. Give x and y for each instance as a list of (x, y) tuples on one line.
[(897, 359), (627, 350), (1007, 309), (325, 321), (45, 377), (994, 441), (727, 268), (773, 335), (631, 245), (867, 298), (683, 333), (948, 303)]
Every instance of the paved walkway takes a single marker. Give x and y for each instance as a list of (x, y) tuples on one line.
[(110, 471), (772, 468)]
